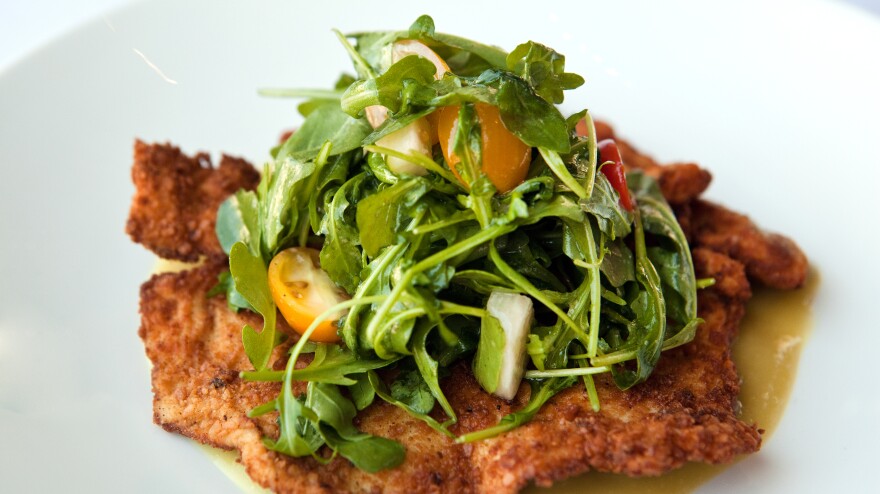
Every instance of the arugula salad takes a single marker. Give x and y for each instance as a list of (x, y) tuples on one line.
[(437, 207)]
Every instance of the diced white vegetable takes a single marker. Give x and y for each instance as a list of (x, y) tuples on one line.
[(414, 138), (515, 313)]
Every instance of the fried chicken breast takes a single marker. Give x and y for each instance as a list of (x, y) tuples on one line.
[(686, 411), (176, 199)]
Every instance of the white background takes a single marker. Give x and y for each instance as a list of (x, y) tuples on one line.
[(26, 25)]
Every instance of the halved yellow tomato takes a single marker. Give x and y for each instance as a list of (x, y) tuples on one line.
[(506, 159), (302, 291)]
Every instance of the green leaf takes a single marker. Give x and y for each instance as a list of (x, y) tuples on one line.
[(297, 434), (250, 276), (323, 124), (335, 413), (282, 203), (383, 215), (523, 255), (411, 389), (487, 361), (604, 206), (544, 69), (362, 394), (334, 364), (226, 286), (618, 264), (528, 116), (383, 392), (238, 220), (648, 331), (542, 391), (671, 255), (423, 27), (340, 255), (369, 453), (387, 89)]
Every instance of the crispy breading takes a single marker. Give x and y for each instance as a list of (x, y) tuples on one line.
[(769, 258), (685, 412), (679, 182), (176, 199)]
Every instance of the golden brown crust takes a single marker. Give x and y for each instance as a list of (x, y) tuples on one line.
[(679, 182), (769, 258), (683, 182), (685, 412), (176, 199)]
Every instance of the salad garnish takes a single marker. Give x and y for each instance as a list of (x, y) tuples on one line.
[(437, 207)]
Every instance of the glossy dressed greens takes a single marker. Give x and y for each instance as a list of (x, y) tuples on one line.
[(419, 255)]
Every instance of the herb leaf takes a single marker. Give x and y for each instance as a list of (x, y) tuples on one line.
[(542, 391), (325, 123), (544, 69), (252, 282), (381, 216)]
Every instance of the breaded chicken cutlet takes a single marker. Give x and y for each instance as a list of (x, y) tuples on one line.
[(685, 412)]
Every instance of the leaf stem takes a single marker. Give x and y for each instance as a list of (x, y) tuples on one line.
[(363, 68), (417, 159), (442, 256), (557, 166), (582, 371)]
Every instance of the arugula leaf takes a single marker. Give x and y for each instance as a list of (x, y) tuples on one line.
[(226, 286), (340, 255), (280, 204), (422, 28), (362, 394), (544, 69), (249, 273), (369, 453), (383, 392), (383, 215), (542, 391), (411, 389), (618, 264), (672, 255), (647, 333), (429, 370), (325, 123), (604, 206), (528, 116), (298, 435), (523, 255), (387, 89), (332, 364), (238, 220)]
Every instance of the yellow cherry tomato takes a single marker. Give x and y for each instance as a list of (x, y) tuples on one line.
[(302, 291), (505, 158)]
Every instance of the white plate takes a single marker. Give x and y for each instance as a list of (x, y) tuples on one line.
[(779, 100)]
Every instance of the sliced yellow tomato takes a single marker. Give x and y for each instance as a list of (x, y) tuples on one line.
[(302, 291), (505, 158)]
